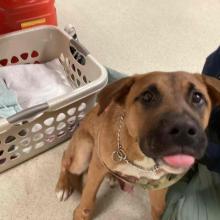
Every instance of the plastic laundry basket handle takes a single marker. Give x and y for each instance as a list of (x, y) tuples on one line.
[(28, 113), (69, 29)]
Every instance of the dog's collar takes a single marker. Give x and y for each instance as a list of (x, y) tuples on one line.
[(119, 155)]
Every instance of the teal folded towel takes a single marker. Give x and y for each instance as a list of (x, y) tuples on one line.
[(8, 101), (114, 75)]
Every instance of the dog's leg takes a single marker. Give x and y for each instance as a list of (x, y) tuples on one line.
[(75, 162), (157, 200), (67, 181), (96, 174)]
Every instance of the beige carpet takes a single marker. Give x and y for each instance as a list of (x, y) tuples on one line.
[(131, 36)]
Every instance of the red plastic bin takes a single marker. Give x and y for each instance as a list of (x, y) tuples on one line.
[(20, 14)]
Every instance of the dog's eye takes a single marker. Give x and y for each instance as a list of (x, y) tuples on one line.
[(148, 97), (197, 98)]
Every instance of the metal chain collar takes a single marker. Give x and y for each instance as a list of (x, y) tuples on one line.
[(119, 155)]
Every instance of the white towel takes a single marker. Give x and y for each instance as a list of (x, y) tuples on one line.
[(36, 83)]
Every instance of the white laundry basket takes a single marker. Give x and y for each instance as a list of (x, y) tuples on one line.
[(39, 128)]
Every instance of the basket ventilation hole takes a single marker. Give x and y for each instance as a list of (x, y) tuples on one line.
[(4, 62), (81, 115), (27, 149), (50, 138), (71, 120), (12, 148), (1, 152), (82, 60), (14, 59), (38, 137), (49, 121), (61, 134), (72, 77), (14, 156), (61, 117), (77, 56), (85, 79), (34, 54), (72, 127), (23, 132), (79, 72), (73, 67), (60, 126), (50, 130), (82, 107), (36, 62), (24, 56), (39, 145), (71, 111), (72, 50), (36, 128), (2, 160), (78, 82), (9, 139), (25, 142), (62, 59)]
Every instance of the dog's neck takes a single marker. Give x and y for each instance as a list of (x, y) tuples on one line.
[(124, 150), (138, 166), (128, 149)]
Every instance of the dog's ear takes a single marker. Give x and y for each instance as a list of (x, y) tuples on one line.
[(116, 91), (213, 86)]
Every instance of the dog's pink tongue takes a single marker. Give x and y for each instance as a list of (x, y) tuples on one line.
[(179, 160)]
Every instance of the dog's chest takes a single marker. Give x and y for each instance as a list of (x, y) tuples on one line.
[(146, 179)]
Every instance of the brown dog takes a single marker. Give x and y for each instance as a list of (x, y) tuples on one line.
[(146, 129)]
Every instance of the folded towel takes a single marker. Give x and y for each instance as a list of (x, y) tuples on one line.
[(8, 101), (36, 83), (114, 75)]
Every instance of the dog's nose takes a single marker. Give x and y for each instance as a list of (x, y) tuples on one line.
[(175, 133), (180, 130)]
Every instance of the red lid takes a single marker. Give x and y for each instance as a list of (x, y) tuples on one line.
[(20, 14), (16, 4)]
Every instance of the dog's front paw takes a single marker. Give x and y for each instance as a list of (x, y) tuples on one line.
[(82, 214), (63, 194), (64, 189)]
